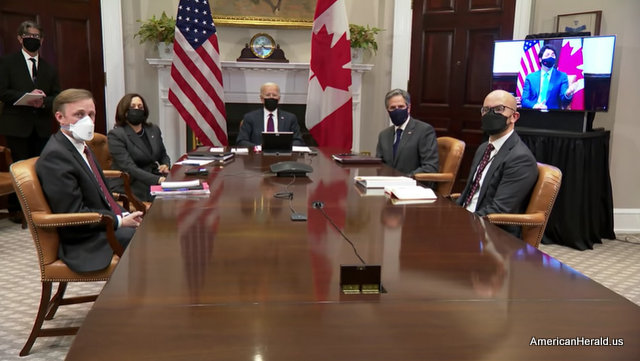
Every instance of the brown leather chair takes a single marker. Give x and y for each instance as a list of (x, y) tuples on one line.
[(534, 220), (100, 147), (43, 225), (6, 185), (450, 152)]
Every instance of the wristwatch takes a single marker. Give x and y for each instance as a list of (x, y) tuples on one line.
[(262, 45)]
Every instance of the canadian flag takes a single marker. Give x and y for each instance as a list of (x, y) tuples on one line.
[(571, 62), (329, 114)]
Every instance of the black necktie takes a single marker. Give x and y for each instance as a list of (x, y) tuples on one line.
[(34, 69), (481, 166), (397, 141)]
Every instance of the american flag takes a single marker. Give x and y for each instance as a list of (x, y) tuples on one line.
[(196, 79), (329, 114), (528, 62)]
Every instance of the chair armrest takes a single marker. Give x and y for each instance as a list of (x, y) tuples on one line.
[(434, 177), (56, 220), (129, 198), (533, 219)]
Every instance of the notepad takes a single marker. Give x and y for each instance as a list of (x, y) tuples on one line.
[(410, 194), (28, 97), (384, 181)]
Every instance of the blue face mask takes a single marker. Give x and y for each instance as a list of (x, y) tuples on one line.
[(399, 116)]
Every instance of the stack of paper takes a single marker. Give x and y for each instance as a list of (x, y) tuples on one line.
[(410, 194), (182, 188), (382, 182)]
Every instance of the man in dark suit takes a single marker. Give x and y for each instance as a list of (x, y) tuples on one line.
[(268, 119), (547, 88), (503, 171), (409, 145), (72, 182), (26, 127)]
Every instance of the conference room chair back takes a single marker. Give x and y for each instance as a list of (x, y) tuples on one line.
[(543, 197), (6, 185), (43, 225), (450, 152)]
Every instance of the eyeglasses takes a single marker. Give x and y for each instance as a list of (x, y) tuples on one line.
[(29, 35), (499, 109)]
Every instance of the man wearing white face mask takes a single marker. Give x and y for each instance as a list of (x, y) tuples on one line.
[(73, 182)]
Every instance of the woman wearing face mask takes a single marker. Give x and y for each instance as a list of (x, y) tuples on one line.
[(136, 147)]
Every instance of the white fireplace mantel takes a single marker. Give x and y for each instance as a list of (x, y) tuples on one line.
[(242, 81)]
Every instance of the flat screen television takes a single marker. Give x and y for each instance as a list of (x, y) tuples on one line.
[(582, 65)]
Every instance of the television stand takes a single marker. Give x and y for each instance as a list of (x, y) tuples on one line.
[(556, 120)]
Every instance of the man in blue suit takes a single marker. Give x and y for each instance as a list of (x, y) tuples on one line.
[(268, 119), (547, 88)]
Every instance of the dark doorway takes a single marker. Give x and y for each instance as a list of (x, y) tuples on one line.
[(72, 42), (451, 57)]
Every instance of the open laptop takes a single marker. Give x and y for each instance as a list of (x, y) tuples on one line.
[(277, 143)]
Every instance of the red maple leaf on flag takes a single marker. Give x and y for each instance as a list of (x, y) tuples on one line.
[(327, 61)]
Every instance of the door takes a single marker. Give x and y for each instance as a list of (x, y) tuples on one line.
[(451, 57), (72, 42)]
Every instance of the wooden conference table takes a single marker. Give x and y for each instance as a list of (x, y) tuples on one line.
[(231, 277)]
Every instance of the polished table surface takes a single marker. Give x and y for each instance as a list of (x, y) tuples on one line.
[(231, 277)]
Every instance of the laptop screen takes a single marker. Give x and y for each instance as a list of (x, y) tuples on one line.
[(277, 142)]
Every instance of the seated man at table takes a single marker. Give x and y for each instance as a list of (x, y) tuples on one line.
[(267, 119), (409, 145), (73, 182), (503, 171)]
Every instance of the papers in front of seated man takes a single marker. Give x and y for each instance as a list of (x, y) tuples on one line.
[(384, 181), (182, 188), (27, 97), (410, 194)]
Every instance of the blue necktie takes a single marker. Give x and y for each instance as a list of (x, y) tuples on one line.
[(545, 86), (397, 141)]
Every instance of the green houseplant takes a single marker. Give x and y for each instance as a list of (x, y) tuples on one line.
[(158, 31), (364, 38)]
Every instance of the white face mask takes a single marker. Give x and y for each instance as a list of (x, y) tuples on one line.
[(82, 129)]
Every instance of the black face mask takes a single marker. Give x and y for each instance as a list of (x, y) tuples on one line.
[(136, 116), (31, 44), (399, 116), (494, 123), (271, 104), (548, 62)]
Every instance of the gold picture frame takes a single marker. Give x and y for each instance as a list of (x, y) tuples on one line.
[(579, 22), (264, 13)]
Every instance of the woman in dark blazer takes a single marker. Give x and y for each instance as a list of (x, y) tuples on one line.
[(136, 147)]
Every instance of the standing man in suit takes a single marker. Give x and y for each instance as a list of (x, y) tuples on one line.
[(73, 182), (547, 88), (268, 119), (503, 171), (26, 127), (409, 145)]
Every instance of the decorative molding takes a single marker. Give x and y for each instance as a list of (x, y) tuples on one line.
[(242, 81), (626, 220)]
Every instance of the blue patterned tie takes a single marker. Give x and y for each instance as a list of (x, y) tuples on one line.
[(397, 141)]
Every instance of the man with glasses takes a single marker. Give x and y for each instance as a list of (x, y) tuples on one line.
[(408, 145), (503, 171), (26, 125)]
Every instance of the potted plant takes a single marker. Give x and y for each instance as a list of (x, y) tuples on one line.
[(362, 38), (160, 32)]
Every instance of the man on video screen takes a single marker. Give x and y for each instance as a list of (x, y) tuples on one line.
[(547, 88)]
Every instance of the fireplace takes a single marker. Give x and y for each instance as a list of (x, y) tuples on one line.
[(242, 81)]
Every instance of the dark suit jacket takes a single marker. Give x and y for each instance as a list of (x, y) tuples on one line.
[(15, 81), (130, 154), (70, 187), (250, 133), (507, 185), (417, 151), (556, 98)]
